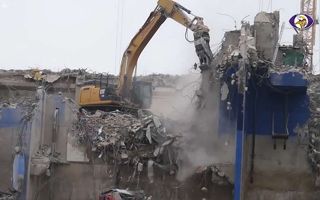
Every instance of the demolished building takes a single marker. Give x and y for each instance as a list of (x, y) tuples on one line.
[(61, 152), (254, 135), (268, 106)]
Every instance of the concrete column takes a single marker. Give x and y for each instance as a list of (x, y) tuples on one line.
[(36, 138)]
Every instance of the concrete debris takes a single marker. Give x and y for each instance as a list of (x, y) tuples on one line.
[(119, 194), (41, 161), (148, 133), (38, 75), (44, 75), (287, 68), (214, 174), (7, 196), (35, 75), (263, 17), (266, 25), (25, 103), (127, 138), (314, 124), (50, 78), (150, 171), (39, 165)]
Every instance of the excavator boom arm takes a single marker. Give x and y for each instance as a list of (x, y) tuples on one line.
[(177, 12), (136, 46), (165, 9)]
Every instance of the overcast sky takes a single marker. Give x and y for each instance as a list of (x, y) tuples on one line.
[(93, 34)]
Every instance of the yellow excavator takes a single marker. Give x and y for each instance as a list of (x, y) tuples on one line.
[(140, 93)]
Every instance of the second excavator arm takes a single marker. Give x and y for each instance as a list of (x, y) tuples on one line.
[(165, 9)]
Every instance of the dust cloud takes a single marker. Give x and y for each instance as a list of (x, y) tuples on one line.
[(196, 121), (177, 103)]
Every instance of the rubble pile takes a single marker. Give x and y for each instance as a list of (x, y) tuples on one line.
[(7, 196), (122, 194), (25, 103), (49, 76), (287, 68), (42, 159), (314, 123), (128, 139)]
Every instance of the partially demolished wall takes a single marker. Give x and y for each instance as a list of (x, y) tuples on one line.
[(77, 155), (313, 127), (249, 65)]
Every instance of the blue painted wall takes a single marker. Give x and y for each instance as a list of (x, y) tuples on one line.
[(10, 117), (266, 100), (277, 102)]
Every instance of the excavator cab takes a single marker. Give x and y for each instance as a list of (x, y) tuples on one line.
[(142, 93), (103, 96), (97, 94), (109, 93)]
